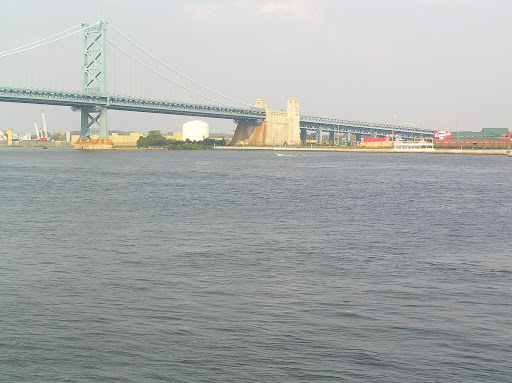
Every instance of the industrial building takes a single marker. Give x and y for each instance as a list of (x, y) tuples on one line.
[(127, 140), (488, 138)]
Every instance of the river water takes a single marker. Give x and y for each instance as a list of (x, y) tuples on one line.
[(245, 266)]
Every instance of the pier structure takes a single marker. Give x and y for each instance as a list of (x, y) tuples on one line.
[(277, 129)]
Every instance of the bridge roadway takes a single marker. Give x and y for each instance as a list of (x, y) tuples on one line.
[(333, 125), (78, 100)]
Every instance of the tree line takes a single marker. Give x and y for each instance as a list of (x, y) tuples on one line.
[(155, 139)]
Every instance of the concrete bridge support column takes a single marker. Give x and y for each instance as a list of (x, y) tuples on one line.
[(279, 127), (293, 121), (347, 139), (358, 137)]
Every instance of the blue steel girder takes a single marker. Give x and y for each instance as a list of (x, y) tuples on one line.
[(78, 100), (39, 96), (331, 138), (364, 128), (93, 121), (190, 109), (303, 136)]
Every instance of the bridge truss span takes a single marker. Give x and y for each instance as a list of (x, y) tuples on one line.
[(182, 108), (332, 125), (50, 97), (78, 100)]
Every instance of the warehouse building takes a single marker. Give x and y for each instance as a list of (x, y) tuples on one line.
[(488, 138)]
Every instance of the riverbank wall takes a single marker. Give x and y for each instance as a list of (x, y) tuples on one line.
[(366, 150)]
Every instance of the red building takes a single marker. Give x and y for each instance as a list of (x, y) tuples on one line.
[(488, 138)]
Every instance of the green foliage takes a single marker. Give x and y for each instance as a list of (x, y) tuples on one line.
[(153, 139), (179, 145), (156, 139), (210, 142)]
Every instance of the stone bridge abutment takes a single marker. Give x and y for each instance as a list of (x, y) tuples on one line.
[(278, 128)]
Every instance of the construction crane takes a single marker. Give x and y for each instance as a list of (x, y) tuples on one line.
[(37, 130), (44, 126)]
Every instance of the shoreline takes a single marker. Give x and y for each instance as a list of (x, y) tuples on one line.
[(368, 150), (300, 149)]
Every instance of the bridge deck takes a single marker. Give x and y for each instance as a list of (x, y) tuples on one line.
[(79, 100), (366, 128)]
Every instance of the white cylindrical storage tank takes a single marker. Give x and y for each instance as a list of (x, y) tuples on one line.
[(195, 130)]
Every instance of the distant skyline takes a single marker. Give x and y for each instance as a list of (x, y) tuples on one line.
[(433, 63)]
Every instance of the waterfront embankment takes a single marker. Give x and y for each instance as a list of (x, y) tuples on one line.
[(37, 144), (63, 144), (367, 150)]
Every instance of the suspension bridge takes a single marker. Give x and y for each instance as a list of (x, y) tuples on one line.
[(101, 88)]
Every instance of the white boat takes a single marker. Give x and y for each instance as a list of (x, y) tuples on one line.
[(413, 146)]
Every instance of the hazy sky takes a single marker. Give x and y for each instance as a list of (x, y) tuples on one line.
[(429, 62)]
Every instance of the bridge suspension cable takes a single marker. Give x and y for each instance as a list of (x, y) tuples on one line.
[(153, 64), (37, 42), (165, 77), (180, 74), (40, 43)]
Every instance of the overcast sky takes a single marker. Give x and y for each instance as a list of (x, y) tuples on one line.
[(428, 62)]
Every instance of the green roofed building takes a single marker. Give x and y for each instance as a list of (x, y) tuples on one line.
[(485, 133), (488, 138)]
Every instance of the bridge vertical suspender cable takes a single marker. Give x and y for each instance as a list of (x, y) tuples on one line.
[(177, 72), (165, 77)]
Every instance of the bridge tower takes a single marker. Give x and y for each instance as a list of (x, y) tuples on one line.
[(94, 82)]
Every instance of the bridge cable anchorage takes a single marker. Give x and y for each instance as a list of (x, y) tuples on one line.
[(165, 77), (20, 50), (179, 73)]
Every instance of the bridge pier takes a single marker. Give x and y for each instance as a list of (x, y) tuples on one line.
[(319, 136), (93, 129), (93, 122), (278, 128), (303, 136), (331, 139)]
